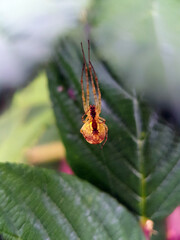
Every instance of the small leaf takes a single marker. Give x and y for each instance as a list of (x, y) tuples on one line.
[(140, 162), (40, 204)]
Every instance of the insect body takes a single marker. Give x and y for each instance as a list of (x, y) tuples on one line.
[(94, 130)]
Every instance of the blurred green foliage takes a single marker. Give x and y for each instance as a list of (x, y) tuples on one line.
[(27, 122)]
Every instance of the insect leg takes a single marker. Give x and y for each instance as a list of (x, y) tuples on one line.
[(84, 120), (87, 79), (82, 89), (102, 119), (97, 85), (106, 136), (92, 80)]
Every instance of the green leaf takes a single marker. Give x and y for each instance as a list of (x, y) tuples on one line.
[(40, 204), (140, 162), (26, 121)]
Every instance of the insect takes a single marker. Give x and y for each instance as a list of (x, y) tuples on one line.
[(94, 130)]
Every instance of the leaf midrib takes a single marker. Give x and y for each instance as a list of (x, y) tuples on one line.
[(140, 148)]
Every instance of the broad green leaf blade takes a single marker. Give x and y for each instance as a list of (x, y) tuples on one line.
[(139, 164), (40, 204)]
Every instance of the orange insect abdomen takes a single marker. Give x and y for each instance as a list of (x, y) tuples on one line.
[(94, 126), (94, 132)]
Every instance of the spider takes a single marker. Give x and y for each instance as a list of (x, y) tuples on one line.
[(94, 130)]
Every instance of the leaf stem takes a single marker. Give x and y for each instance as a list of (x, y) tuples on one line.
[(142, 204)]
